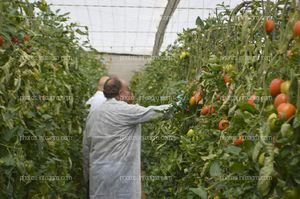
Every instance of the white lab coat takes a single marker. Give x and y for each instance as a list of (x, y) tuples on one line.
[(111, 149), (96, 100)]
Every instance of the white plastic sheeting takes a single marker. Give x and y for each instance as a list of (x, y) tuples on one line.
[(129, 26)]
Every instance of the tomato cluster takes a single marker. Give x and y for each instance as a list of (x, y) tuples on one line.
[(279, 89), (14, 39)]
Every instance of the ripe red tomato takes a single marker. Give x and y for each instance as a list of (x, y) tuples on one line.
[(226, 79), (14, 39), (296, 28), (223, 124), (205, 110), (1, 40), (238, 141), (252, 99), (286, 111), (274, 88), (26, 38), (269, 25), (208, 109), (281, 98)]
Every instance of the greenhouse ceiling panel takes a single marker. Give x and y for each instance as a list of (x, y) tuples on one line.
[(130, 26)]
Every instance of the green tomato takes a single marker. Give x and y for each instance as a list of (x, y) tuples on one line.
[(184, 55), (286, 130), (285, 86), (190, 133), (228, 68), (272, 121), (42, 5), (261, 159), (272, 117)]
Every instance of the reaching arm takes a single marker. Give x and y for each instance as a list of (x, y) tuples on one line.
[(136, 114)]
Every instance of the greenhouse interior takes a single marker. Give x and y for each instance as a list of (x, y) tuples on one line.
[(150, 99)]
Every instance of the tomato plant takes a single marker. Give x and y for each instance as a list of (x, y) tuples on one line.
[(231, 58), (46, 77)]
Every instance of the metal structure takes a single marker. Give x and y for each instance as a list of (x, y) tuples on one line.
[(159, 37)]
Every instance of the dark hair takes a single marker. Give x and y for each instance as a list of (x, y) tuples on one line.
[(112, 87)]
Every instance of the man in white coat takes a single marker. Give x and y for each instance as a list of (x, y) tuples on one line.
[(98, 98), (112, 145)]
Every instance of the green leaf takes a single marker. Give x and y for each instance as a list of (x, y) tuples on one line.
[(256, 151), (46, 116), (233, 149), (81, 32), (199, 22), (200, 191), (204, 169), (8, 160), (10, 134), (215, 169), (244, 106), (293, 91), (216, 67), (210, 156), (296, 122), (238, 167), (161, 145), (264, 184), (64, 15), (231, 111), (294, 94)]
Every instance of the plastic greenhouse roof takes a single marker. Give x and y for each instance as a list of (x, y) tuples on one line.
[(130, 26)]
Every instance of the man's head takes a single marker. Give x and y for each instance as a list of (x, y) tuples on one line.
[(117, 88), (124, 84), (101, 83), (112, 88), (125, 94)]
